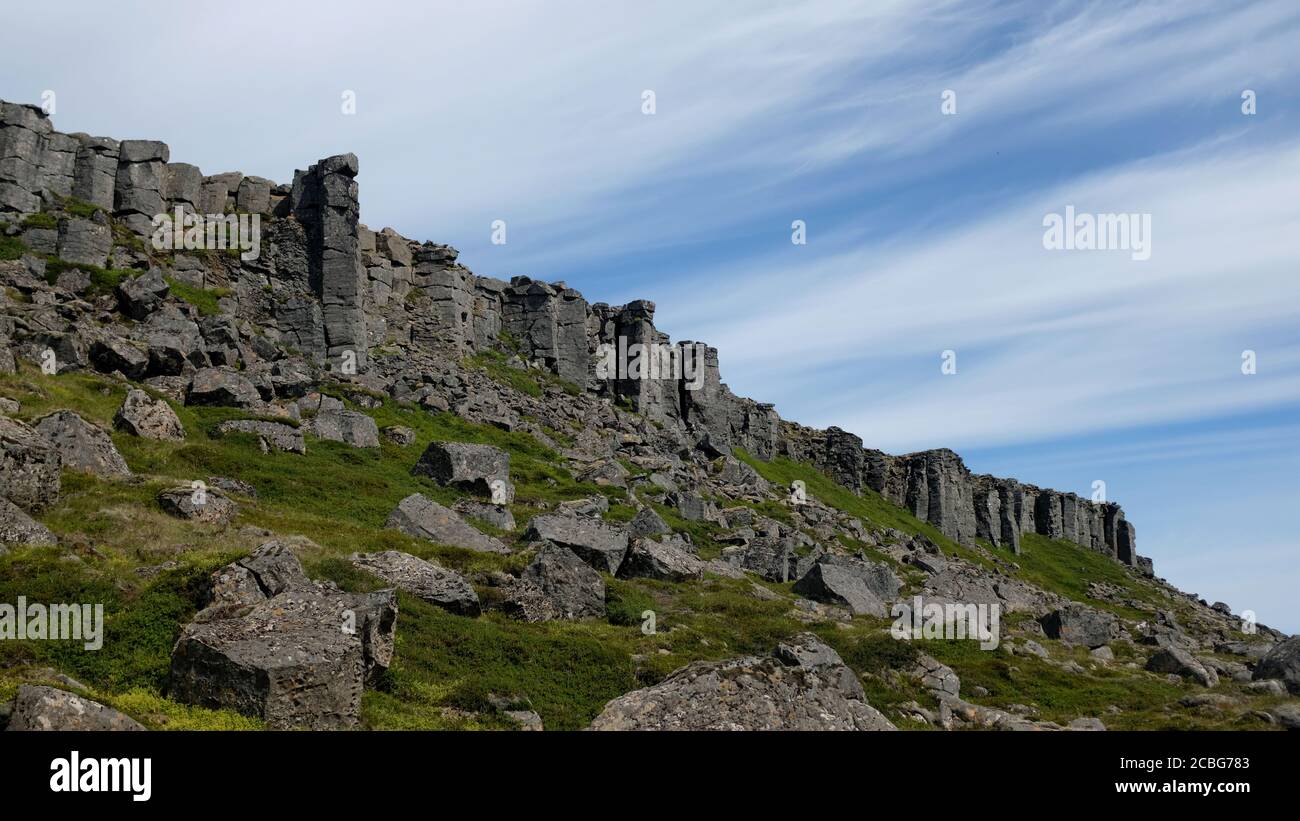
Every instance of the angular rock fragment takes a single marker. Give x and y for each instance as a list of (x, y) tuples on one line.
[(29, 466), (479, 469), (142, 415), (48, 708), (422, 579), (206, 505), (596, 543), (421, 517), (81, 445)]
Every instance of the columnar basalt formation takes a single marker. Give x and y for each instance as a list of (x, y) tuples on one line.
[(326, 292)]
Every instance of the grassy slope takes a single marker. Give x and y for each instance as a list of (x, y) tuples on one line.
[(447, 667)]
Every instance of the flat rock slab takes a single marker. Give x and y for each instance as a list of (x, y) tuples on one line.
[(423, 579), (271, 435), (49, 708), (421, 517), (838, 585)]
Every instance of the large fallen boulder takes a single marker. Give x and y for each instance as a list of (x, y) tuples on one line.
[(1176, 660), (198, 504), (49, 708), (1282, 663), (349, 427), (270, 435), (804, 686), (221, 386), (16, 527), (598, 544), (668, 560), (29, 466), (142, 415), (280, 648), (421, 517), (1080, 624), (81, 445), (833, 584), (140, 296), (423, 579), (573, 587), (479, 469)]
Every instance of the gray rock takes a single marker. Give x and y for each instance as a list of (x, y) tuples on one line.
[(48, 708), (16, 527), (648, 523), (423, 518), (84, 242), (81, 445), (750, 693), (1282, 663), (667, 560), (121, 355), (29, 466), (220, 386), (346, 426), (879, 577), (399, 435), (423, 579), (837, 585), (575, 589), (474, 468), (1080, 624), (596, 543), (936, 677), (142, 415), (271, 435), (1177, 661), (499, 516), (206, 505), (140, 296)]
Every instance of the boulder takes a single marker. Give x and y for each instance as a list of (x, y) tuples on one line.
[(399, 435), (84, 242), (1179, 661), (936, 677), (280, 648), (48, 708), (474, 468), (81, 445), (221, 386), (668, 560), (498, 516), (647, 522), (142, 415), (29, 466), (1282, 663), (879, 577), (271, 435), (421, 517), (206, 505), (805, 687), (140, 296), (123, 356), (837, 585), (575, 590), (596, 543), (349, 427), (16, 527), (1080, 624), (423, 579)]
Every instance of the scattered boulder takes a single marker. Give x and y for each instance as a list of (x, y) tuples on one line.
[(1180, 662), (574, 588), (399, 435), (29, 466), (142, 415), (114, 354), (422, 579), (16, 527), (280, 648), (206, 505), (1282, 663), (1080, 624), (270, 435), (421, 517), (48, 708), (838, 585), (667, 560), (806, 687), (140, 296), (498, 516), (223, 387), (81, 445), (648, 523), (596, 543), (936, 677), (479, 469), (346, 426)]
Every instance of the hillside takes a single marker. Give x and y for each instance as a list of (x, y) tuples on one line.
[(345, 482)]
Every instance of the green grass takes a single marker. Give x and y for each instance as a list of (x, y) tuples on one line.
[(528, 381), (204, 299), (42, 220), (1068, 569), (11, 248)]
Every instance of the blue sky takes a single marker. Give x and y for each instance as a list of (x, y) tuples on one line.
[(924, 229)]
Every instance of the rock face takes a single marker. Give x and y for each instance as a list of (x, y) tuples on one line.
[(277, 647), (1283, 663), (1080, 624), (596, 543), (206, 505), (81, 445), (16, 527), (573, 588), (805, 687), (422, 579), (479, 469), (29, 466), (421, 517), (48, 708), (142, 415), (838, 585)]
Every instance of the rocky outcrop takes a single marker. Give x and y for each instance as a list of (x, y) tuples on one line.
[(667, 559), (803, 686), (839, 585), (1282, 663), (81, 445), (270, 435), (1080, 624), (574, 589), (48, 708)]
